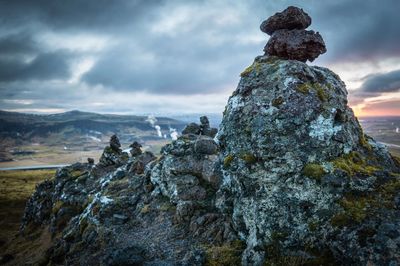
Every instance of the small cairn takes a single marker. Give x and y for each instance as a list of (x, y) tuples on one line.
[(289, 37), (202, 129), (136, 149)]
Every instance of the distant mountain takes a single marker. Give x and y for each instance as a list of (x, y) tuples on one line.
[(33, 125), (24, 136)]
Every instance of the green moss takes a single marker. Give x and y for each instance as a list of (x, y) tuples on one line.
[(314, 171), (256, 66), (364, 142), (247, 71), (355, 210), (277, 101), (248, 158), (353, 163), (321, 93), (228, 160), (226, 255), (304, 88)]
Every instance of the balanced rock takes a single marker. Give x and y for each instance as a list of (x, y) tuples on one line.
[(289, 38), (291, 18), (300, 177), (301, 45), (112, 154)]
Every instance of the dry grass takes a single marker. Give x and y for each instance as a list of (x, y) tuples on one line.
[(15, 189)]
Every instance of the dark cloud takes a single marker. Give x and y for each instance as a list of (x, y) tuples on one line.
[(45, 66), (380, 83), (178, 47)]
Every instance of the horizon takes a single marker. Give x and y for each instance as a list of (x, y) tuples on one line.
[(171, 115), (180, 58)]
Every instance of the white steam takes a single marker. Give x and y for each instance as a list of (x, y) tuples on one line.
[(173, 133), (153, 120)]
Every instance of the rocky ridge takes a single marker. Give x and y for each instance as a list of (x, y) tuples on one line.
[(290, 178)]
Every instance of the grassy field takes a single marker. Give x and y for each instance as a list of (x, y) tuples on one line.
[(15, 189)]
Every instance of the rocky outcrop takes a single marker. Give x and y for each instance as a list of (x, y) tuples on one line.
[(136, 210), (289, 38), (300, 178)]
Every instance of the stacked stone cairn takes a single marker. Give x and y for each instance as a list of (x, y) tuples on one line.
[(289, 37)]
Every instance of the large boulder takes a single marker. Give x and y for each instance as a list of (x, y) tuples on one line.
[(291, 18), (300, 178), (299, 45)]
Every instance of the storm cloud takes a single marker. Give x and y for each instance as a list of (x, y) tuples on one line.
[(77, 49)]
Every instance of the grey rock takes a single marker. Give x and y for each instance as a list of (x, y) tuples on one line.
[(291, 18), (206, 146), (289, 182), (192, 128)]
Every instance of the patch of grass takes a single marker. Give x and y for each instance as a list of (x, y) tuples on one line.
[(225, 255), (15, 188)]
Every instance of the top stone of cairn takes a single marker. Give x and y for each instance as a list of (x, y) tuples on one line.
[(291, 18)]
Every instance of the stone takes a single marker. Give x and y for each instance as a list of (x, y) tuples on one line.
[(289, 182), (114, 143), (90, 161), (192, 128), (136, 149), (206, 146), (291, 18), (298, 45)]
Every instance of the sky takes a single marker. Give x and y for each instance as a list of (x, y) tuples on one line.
[(180, 57)]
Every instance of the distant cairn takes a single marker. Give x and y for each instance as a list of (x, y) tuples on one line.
[(289, 37)]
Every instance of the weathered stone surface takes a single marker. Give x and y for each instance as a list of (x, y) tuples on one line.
[(205, 146), (300, 173), (291, 18), (299, 45)]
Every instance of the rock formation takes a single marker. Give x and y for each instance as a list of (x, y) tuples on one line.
[(289, 38), (300, 178), (290, 179), (202, 129), (113, 155)]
